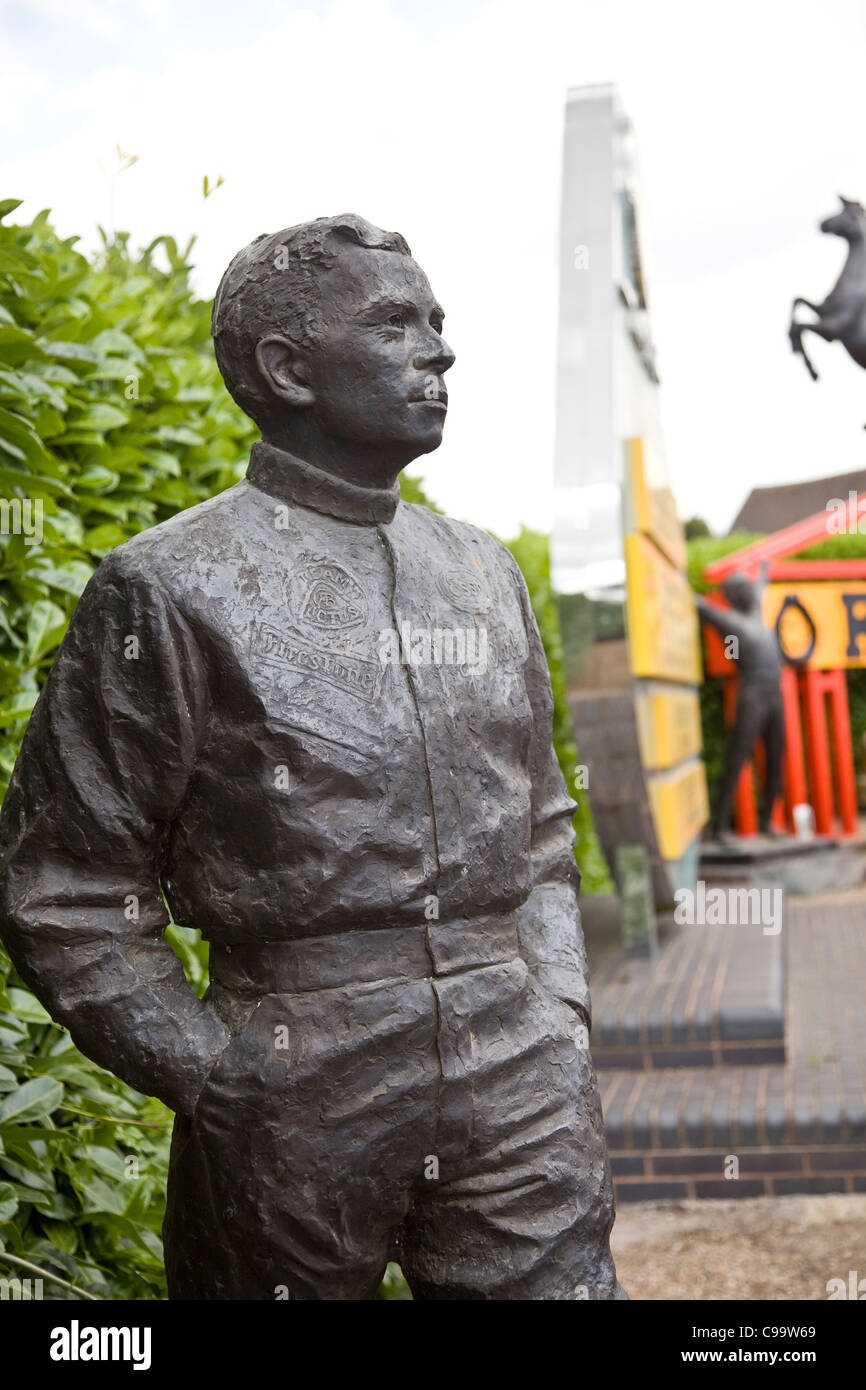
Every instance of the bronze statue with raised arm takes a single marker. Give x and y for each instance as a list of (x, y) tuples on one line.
[(760, 714)]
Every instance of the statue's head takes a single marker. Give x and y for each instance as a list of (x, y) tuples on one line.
[(740, 592), (850, 223), (328, 335)]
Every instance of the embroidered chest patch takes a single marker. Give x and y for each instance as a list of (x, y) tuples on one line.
[(330, 599), (464, 590)]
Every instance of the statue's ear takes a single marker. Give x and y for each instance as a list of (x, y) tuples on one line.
[(283, 365)]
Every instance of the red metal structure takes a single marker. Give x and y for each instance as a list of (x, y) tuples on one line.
[(819, 756)]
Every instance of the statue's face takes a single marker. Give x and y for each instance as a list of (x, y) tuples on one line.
[(377, 365)]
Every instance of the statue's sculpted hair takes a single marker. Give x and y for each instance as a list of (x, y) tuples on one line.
[(272, 286)]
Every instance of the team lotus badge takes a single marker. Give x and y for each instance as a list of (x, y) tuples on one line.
[(332, 601)]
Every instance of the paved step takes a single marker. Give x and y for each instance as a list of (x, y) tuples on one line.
[(713, 997), (801, 1127)]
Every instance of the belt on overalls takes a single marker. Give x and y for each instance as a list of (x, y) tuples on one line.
[(424, 951)]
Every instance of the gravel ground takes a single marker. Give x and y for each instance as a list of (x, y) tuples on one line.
[(761, 1248)]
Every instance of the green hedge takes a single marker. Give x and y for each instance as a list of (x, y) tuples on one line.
[(112, 417), (531, 550)]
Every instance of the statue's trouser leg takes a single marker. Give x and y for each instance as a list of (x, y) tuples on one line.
[(741, 744), (463, 1111), (524, 1203), (774, 750)]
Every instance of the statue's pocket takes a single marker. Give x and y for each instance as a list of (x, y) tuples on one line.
[(228, 1063), (564, 1020)]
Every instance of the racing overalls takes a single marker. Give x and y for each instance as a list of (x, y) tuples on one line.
[(315, 722)]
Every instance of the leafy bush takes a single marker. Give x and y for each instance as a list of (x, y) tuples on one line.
[(531, 550), (113, 416)]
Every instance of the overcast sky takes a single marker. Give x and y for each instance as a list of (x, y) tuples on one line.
[(444, 121)]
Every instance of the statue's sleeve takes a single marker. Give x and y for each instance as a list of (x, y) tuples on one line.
[(726, 621), (549, 925), (101, 773)]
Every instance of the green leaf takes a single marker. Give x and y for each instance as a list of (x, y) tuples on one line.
[(98, 478), (35, 1180), (97, 1195), (18, 706), (16, 345), (14, 262), (99, 416), (20, 433), (8, 1197), (46, 626), (70, 578), (69, 352), (27, 1007), (32, 1101), (63, 1235), (101, 539)]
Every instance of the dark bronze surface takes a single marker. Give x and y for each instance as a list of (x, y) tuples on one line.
[(393, 1053), (760, 714)]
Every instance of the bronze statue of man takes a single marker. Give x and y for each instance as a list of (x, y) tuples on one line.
[(391, 1059), (760, 713)]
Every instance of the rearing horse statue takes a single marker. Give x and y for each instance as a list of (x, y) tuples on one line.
[(842, 316)]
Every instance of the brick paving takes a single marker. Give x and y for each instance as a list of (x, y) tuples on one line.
[(713, 997), (799, 1127)]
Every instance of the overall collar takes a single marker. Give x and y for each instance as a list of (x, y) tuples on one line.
[(290, 479)]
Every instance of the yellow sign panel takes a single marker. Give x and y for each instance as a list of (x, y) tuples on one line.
[(662, 619), (655, 510), (668, 725), (823, 621), (680, 808)]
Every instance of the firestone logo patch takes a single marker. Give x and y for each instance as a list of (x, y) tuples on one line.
[(354, 674)]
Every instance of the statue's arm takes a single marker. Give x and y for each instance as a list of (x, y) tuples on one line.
[(549, 925), (102, 770), (726, 621)]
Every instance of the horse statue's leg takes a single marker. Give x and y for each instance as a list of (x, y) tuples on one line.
[(795, 333), (816, 308)]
